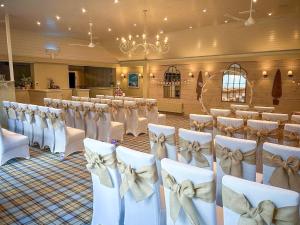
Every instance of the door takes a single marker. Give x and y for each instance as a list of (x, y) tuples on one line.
[(72, 79)]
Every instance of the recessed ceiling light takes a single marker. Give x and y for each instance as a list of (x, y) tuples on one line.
[(83, 10), (204, 10), (137, 36), (109, 29), (2, 5), (57, 17), (69, 28), (116, 1), (254, 1), (117, 38), (89, 33), (269, 14), (226, 21), (190, 27), (166, 19), (161, 32), (134, 24), (38, 23)]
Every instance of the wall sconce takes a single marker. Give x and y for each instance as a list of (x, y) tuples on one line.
[(265, 74), (191, 75), (141, 75), (206, 74), (151, 75), (290, 73), (123, 75)]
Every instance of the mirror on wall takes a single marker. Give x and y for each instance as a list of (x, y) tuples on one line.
[(172, 83), (234, 84)]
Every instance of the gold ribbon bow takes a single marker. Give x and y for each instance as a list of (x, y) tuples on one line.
[(230, 130), (77, 110), (181, 196), (55, 119), (47, 104), (159, 144), (200, 126), (86, 110), (20, 114), (129, 109), (65, 107), (56, 105), (262, 134), (150, 106), (11, 112), (194, 149), (138, 181), (43, 119), (99, 165), (292, 136), (100, 113), (231, 161), (265, 213), (285, 174), (115, 107), (30, 114)]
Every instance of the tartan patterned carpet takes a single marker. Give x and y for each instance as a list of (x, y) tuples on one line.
[(45, 190)]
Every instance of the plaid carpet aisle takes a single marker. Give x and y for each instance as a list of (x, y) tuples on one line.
[(44, 190)]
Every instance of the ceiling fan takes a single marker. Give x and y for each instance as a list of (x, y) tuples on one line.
[(91, 44), (248, 22)]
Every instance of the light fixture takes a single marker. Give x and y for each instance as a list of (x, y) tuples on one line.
[(265, 74), (57, 17), (52, 51), (38, 23), (204, 10), (2, 5), (109, 29), (226, 21), (191, 74), (190, 27), (130, 46), (140, 75), (83, 10), (206, 74), (166, 19), (116, 1), (134, 24), (290, 73), (89, 33), (151, 75), (69, 28), (269, 14), (117, 38), (254, 1), (161, 32), (137, 36), (123, 75)]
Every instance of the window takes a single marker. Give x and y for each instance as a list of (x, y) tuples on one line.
[(234, 84), (172, 83)]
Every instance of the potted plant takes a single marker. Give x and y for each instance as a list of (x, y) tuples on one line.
[(26, 82)]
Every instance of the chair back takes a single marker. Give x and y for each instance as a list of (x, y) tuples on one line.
[(219, 112), (119, 98), (291, 134), (147, 207), (246, 115), (262, 109), (234, 157), (104, 121), (235, 107), (11, 115), (105, 101), (100, 96), (202, 123), (95, 100), (142, 107), (276, 117), (69, 113), (195, 148), (75, 98), (109, 97), (118, 111), (240, 196), (89, 115), (56, 103), (107, 204), (59, 127), (77, 110), (295, 119), (20, 116), (231, 127), (84, 99), (152, 110), (131, 114), (47, 102), (204, 204)]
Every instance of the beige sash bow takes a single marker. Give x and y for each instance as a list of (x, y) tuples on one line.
[(115, 108), (200, 126), (56, 105), (55, 119), (47, 104), (30, 114), (98, 165), (21, 114), (159, 144), (265, 213), (262, 134), (77, 110), (87, 109), (43, 119), (285, 174), (230, 130), (151, 106), (129, 109), (231, 161), (138, 181), (11, 112), (194, 149), (100, 114), (181, 196), (292, 137), (65, 107)]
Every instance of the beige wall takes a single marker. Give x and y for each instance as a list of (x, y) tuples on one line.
[(43, 71)]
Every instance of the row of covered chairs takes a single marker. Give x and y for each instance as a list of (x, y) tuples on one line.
[(127, 190), (44, 127)]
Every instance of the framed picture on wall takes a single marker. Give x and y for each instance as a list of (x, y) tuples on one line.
[(133, 80)]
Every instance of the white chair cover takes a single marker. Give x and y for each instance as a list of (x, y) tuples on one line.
[(262, 109), (67, 140), (148, 211), (95, 100), (108, 130), (69, 113), (231, 127), (206, 211), (234, 144), (118, 111), (109, 97), (276, 117), (12, 145), (218, 112), (280, 150), (255, 193), (28, 122), (134, 124), (152, 111), (77, 111), (295, 119), (20, 117), (142, 107), (100, 96), (90, 124), (48, 102), (107, 204), (48, 131), (129, 99), (56, 103), (38, 126), (75, 98), (204, 139), (11, 116), (119, 98), (246, 115), (84, 99), (206, 119), (291, 135), (235, 107)]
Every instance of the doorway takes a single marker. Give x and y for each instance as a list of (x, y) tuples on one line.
[(72, 79)]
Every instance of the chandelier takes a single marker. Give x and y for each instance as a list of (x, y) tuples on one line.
[(131, 46)]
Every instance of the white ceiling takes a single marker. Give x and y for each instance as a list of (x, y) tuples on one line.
[(120, 17)]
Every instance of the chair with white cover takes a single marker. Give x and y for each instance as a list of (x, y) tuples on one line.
[(48, 102), (11, 115), (152, 112), (262, 109), (69, 114), (106, 101), (235, 107), (231, 127), (203, 123), (280, 118), (67, 139), (295, 119), (195, 148), (140, 188), (90, 123), (75, 98), (48, 131), (119, 98), (246, 115), (291, 134), (100, 96), (56, 103), (12, 145), (134, 124), (20, 117), (142, 107), (77, 111), (246, 202), (95, 100), (109, 97), (40, 123), (182, 207), (281, 166), (107, 130), (102, 164), (219, 112), (118, 111), (235, 157), (262, 131), (28, 123), (85, 99), (129, 99)]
